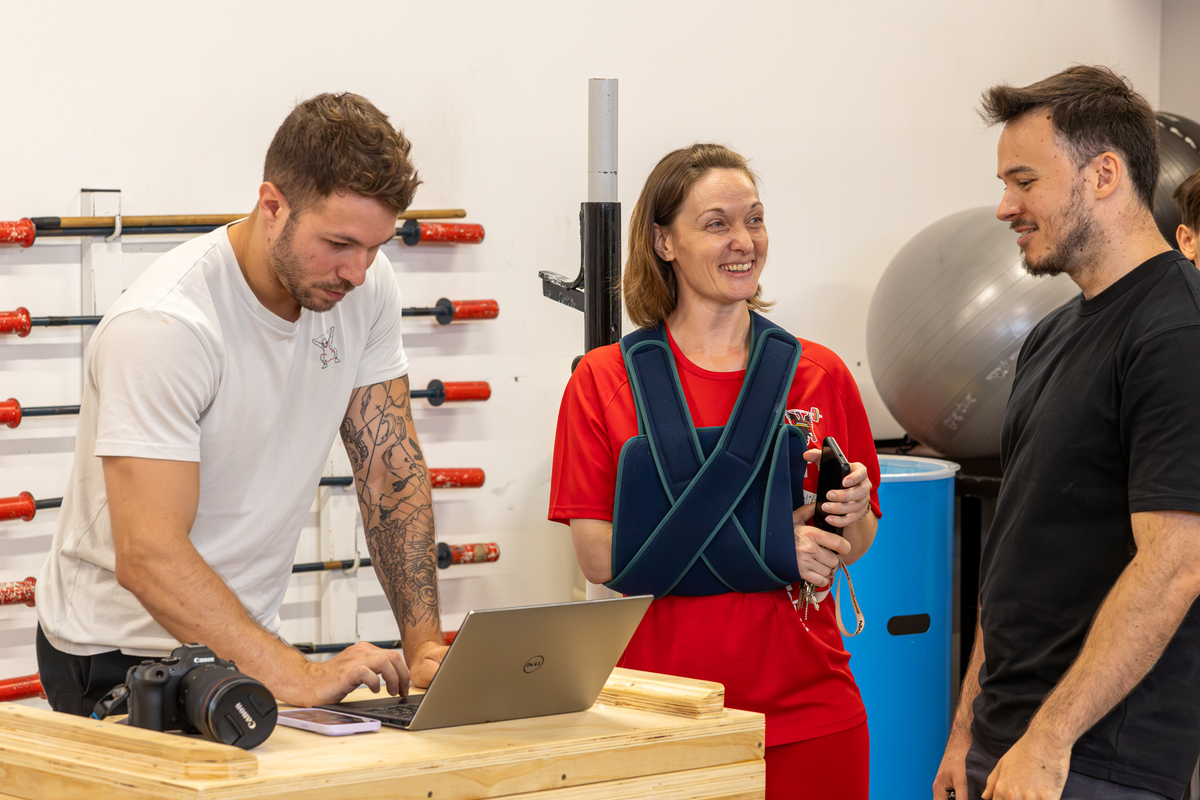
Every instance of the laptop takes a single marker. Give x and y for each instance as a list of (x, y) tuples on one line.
[(513, 663)]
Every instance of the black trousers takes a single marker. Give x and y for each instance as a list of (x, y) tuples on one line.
[(74, 684), (980, 764)]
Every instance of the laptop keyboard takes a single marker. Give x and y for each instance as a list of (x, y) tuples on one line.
[(401, 712)]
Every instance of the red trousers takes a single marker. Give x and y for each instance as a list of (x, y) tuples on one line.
[(834, 766)]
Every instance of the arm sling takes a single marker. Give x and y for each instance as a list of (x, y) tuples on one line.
[(708, 511)]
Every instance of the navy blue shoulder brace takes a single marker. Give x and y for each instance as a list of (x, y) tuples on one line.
[(708, 511)]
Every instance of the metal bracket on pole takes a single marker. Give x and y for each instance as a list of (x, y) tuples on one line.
[(594, 290), (560, 289)]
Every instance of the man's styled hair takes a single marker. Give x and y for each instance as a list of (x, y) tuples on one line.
[(1093, 110), (340, 143), (1187, 199), (648, 285)]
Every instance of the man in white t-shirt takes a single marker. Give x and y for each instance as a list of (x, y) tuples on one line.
[(213, 390)]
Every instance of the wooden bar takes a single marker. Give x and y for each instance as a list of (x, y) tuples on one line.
[(650, 691), (215, 220), (617, 750)]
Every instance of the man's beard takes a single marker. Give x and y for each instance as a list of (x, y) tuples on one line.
[(290, 273), (1079, 231)]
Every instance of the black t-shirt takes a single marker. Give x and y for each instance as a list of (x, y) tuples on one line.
[(1103, 421)]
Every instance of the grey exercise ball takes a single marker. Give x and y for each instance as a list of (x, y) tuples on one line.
[(946, 323), (1179, 157)]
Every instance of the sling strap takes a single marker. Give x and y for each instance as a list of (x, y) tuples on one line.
[(707, 511)]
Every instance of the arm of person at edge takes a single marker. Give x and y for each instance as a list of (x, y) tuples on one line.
[(952, 772), (848, 509), (1132, 628), (396, 501), (152, 504)]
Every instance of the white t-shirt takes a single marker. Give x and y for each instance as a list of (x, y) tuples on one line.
[(189, 366)]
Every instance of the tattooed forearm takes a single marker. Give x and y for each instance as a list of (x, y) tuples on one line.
[(396, 502)]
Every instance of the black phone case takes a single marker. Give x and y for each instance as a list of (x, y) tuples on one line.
[(833, 470)]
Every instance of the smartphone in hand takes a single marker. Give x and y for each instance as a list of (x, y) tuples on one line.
[(833, 470)]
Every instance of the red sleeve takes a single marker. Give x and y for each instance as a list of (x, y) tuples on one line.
[(583, 478), (847, 422), (861, 443)]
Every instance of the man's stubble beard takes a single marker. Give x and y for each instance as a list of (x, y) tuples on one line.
[(1081, 233), (290, 272)]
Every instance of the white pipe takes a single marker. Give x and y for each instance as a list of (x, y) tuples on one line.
[(602, 140)]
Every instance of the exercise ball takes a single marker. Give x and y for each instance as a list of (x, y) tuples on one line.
[(953, 307), (1179, 154)]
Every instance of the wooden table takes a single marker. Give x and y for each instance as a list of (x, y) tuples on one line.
[(647, 736)]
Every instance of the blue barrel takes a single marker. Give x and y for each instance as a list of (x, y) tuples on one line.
[(901, 660)]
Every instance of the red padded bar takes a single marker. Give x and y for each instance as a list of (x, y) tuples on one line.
[(20, 688), (18, 322), (467, 390), (13, 593), (475, 309), (19, 507), (456, 478), (21, 232), (474, 553), (10, 412), (451, 233)]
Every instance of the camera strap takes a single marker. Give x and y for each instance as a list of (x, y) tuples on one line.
[(112, 703)]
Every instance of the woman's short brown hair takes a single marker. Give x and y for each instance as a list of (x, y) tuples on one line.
[(649, 282), (340, 143)]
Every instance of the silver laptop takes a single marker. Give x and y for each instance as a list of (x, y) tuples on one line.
[(512, 663)]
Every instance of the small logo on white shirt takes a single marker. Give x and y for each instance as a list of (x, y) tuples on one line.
[(328, 351)]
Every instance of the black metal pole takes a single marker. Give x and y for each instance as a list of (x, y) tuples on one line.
[(601, 274)]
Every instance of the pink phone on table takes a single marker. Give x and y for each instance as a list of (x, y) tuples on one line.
[(330, 723)]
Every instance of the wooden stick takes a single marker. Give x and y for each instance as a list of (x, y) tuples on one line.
[(49, 223)]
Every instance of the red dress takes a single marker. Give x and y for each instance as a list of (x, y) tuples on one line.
[(767, 656)]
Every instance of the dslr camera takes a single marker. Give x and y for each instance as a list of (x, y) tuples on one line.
[(194, 691)]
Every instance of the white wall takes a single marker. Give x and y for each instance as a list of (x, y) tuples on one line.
[(859, 118), (1180, 64)]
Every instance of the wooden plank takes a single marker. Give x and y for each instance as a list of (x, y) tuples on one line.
[(497, 759), (651, 736), (745, 781), (666, 694), (475, 761), (42, 773), (29, 728)]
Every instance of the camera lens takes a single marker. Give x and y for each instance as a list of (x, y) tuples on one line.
[(227, 706)]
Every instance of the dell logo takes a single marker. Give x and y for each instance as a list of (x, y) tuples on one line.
[(246, 716), (535, 663)]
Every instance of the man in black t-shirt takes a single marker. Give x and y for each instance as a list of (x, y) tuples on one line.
[(1085, 680)]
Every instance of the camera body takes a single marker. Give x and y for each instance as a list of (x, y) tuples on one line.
[(194, 691)]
